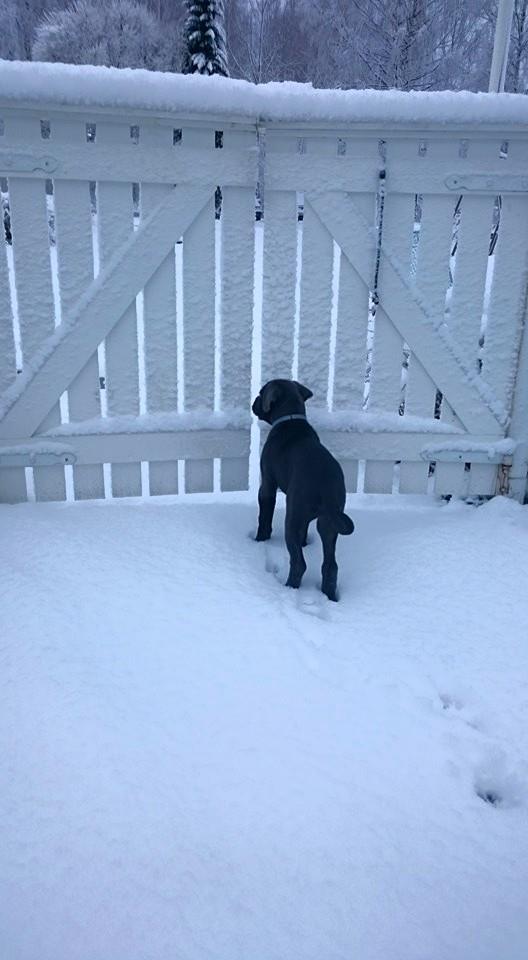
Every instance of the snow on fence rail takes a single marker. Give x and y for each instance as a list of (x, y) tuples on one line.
[(138, 291)]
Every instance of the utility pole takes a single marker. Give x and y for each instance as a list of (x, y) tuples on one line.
[(501, 46)]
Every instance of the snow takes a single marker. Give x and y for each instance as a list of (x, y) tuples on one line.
[(376, 421), (239, 419), (198, 762), (234, 419), (497, 448), (92, 87)]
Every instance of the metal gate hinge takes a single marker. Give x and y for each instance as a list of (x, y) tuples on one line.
[(503, 479), (26, 163), (496, 183), (42, 455)]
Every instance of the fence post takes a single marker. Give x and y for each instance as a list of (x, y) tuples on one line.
[(518, 429)]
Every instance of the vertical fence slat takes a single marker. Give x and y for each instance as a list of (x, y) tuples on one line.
[(508, 291), (315, 307), (352, 322), (279, 277), (414, 476), (465, 312), (159, 320), (316, 291), (7, 340), (160, 324), (451, 479), (238, 257), (199, 331), (31, 256), (387, 353), (431, 278), (518, 427), (384, 393), (32, 263), (464, 307), (76, 271), (115, 222), (163, 477), (12, 479), (434, 250), (199, 315), (12, 485), (482, 479), (351, 336)]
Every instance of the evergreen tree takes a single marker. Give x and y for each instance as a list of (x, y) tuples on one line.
[(205, 42)]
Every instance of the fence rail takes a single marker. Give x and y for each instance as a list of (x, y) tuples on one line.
[(143, 296)]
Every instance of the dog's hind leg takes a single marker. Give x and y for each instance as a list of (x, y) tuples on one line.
[(328, 535), (294, 532)]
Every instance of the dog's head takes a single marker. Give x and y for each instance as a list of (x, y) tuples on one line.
[(278, 398)]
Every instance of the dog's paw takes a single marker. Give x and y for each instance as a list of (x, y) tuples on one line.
[(260, 537), (330, 591), (292, 584), (331, 595)]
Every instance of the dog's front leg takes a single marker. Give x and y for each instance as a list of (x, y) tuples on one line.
[(266, 498)]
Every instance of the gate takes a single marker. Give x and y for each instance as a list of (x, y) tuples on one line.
[(141, 301)]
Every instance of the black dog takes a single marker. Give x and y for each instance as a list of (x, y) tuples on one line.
[(295, 461)]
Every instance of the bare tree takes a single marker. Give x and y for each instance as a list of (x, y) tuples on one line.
[(399, 48), (517, 67), (251, 26), (11, 47), (18, 22)]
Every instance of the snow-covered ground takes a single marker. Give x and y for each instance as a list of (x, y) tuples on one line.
[(199, 763)]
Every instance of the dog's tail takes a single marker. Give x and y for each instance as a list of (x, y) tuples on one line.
[(341, 522)]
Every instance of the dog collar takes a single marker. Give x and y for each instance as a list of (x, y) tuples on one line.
[(290, 416)]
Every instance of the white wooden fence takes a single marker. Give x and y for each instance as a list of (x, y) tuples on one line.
[(388, 273)]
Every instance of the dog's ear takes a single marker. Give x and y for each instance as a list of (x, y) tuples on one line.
[(270, 394), (257, 407), (304, 391)]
